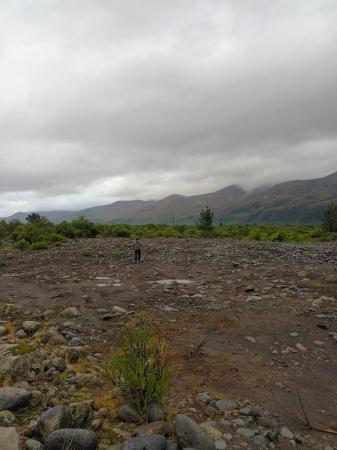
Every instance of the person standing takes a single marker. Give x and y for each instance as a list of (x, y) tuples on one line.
[(137, 248)]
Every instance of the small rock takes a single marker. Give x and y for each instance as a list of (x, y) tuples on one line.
[(119, 310), (76, 342), (154, 428), (286, 433), (155, 412), (59, 364), (250, 339), (145, 443), (223, 404), (220, 444), (71, 312), (3, 331), (246, 433), (300, 347), (73, 438), (205, 398), (32, 444), (261, 441), (129, 413), (190, 434), (9, 439), (21, 334), (30, 327)]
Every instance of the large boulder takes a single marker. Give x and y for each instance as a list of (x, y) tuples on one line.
[(145, 443), (72, 416), (54, 419), (74, 438), (190, 434), (12, 398), (9, 439)]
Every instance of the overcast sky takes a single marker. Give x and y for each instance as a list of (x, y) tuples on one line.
[(118, 99)]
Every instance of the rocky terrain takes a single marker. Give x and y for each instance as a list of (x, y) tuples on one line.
[(251, 329)]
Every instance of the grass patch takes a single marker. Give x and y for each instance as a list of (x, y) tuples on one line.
[(3, 263), (86, 252), (22, 349)]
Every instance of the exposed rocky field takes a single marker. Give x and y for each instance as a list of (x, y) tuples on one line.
[(251, 329)]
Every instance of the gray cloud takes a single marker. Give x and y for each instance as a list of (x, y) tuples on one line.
[(123, 99)]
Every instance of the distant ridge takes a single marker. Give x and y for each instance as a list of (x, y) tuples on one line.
[(299, 201)]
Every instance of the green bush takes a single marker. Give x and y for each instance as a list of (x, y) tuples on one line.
[(38, 245), (85, 228), (139, 366)]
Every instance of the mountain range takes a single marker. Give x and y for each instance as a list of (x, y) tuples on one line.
[(300, 201)]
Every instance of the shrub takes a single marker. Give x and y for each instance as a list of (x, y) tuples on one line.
[(39, 245), (139, 366), (85, 228)]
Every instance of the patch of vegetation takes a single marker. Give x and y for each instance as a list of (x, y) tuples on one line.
[(86, 252), (39, 232), (22, 349), (39, 245), (205, 223), (3, 263), (329, 222), (139, 366)]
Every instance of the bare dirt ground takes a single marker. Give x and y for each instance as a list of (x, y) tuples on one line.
[(271, 307)]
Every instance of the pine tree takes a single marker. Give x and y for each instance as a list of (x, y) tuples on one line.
[(205, 223), (329, 222)]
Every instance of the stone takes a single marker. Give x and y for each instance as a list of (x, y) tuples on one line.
[(190, 434), (3, 331), (74, 438), (246, 433), (159, 428), (9, 439), (220, 444), (102, 311), (223, 404), (286, 433), (71, 312), (211, 430), (300, 347), (155, 412), (119, 310), (21, 334), (205, 398), (76, 342), (54, 419), (31, 327), (12, 398), (32, 444), (246, 411), (129, 413), (52, 336), (145, 443), (250, 339), (261, 441), (59, 364)]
